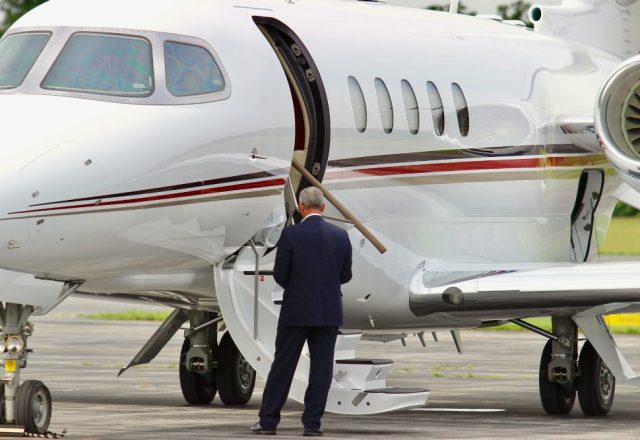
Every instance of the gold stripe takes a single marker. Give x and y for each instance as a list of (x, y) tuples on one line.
[(378, 182)]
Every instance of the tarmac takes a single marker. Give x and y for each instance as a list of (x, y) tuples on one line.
[(488, 392)]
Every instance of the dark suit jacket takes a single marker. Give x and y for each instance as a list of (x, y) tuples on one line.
[(313, 260)]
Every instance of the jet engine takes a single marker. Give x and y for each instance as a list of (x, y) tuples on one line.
[(617, 120)]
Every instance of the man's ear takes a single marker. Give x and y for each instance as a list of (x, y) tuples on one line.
[(323, 206)]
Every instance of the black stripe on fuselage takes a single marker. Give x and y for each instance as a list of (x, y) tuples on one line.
[(222, 180)]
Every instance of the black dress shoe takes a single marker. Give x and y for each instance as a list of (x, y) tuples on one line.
[(313, 433), (258, 429)]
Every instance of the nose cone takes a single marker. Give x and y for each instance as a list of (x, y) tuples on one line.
[(43, 153), (53, 150), (32, 125)]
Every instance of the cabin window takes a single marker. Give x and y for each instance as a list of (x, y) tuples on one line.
[(411, 107), (385, 104), (437, 109), (462, 109), (191, 70), (105, 64), (18, 54), (359, 104)]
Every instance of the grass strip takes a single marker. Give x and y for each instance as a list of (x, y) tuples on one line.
[(545, 324), (129, 315), (623, 237)]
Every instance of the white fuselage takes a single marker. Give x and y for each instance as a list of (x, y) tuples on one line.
[(141, 196)]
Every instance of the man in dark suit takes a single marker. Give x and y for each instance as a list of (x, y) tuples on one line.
[(312, 261)]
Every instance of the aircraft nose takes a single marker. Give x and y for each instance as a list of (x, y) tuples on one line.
[(48, 153), (68, 170)]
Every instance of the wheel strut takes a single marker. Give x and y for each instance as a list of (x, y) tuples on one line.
[(197, 363), (558, 367)]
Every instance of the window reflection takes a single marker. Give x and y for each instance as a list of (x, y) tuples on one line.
[(191, 70), (95, 63), (18, 54)]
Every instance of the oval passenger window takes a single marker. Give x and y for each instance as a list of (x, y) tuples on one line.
[(385, 104), (437, 109), (411, 107), (462, 109), (359, 104)]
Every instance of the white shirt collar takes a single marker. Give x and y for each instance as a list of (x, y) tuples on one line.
[(311, 215)]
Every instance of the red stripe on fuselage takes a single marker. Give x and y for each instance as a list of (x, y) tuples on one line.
[(459, 166), (194, 193), (539, 162)]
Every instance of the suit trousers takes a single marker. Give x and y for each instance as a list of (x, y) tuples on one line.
[(289, 344)]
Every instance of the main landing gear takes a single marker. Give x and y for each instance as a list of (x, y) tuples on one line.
[(27, 404), (208, 367), (564, 374)]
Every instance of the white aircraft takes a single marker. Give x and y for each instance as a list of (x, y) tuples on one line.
[(152, 151)]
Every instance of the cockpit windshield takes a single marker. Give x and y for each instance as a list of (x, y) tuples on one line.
[(103, 63), (18, 53), (191, 70)]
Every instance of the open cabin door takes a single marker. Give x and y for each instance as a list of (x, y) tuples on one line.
[(313, 124), (583, 215), (247, 294)]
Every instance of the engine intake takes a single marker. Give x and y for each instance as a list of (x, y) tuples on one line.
[(618, 120)]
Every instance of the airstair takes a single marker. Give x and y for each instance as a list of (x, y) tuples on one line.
[(250, 299)]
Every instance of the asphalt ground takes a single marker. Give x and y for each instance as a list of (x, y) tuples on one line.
[(488, 392)]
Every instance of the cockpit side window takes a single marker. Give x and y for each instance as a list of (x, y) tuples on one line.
[(191, 70), (107, 64), (18, 54)]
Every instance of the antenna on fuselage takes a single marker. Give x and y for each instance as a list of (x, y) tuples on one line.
[(453, 7)]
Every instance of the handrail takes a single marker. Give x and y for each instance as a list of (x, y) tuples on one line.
[(256, 288), (339, 206)]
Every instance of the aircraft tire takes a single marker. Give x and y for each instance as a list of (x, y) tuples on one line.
[(556, 398), (197, 388), (33, 407), (596, 384), (235, 377)]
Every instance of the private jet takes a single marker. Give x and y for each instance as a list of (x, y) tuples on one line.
[(153, 151)]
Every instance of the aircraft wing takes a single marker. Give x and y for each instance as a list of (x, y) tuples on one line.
[(584, 292), (526, 290)]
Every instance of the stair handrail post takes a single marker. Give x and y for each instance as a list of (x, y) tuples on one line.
[(256, 288)]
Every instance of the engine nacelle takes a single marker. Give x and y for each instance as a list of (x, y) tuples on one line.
[(617, 120), (610, 25)]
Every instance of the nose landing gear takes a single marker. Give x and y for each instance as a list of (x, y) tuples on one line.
[(28, 404), (33, 407)]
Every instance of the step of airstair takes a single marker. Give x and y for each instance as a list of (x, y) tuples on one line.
[(358, 386), (362, 373)]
